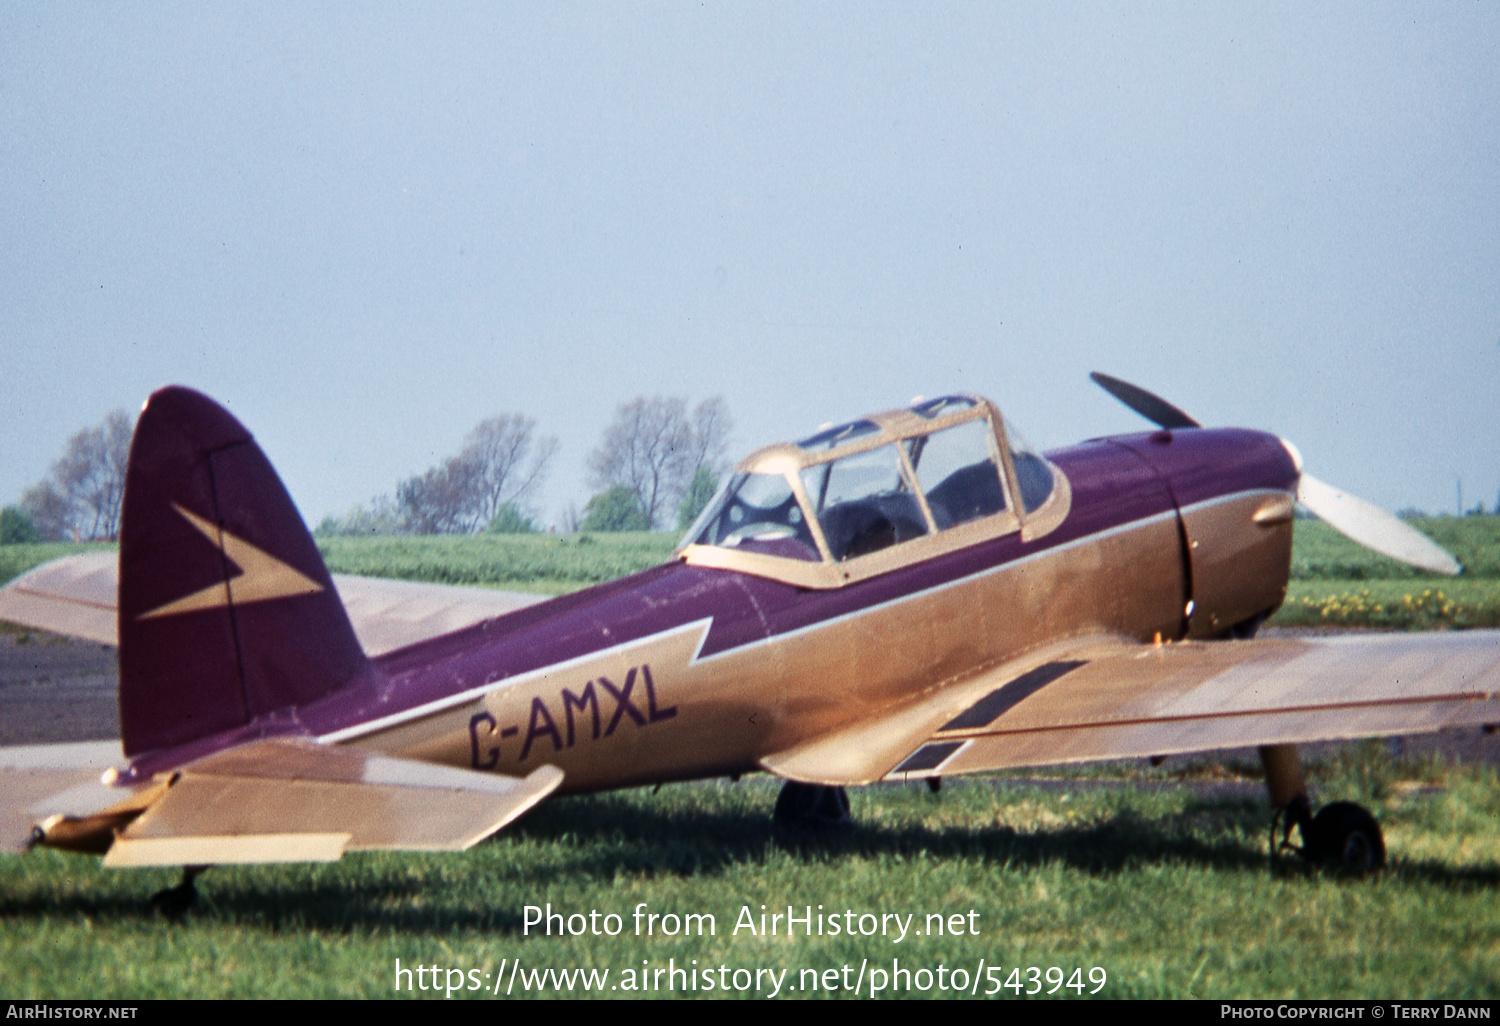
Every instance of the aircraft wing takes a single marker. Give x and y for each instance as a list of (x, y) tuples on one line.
[(267, 801), (388, 614), (76, 596), (1111, 700)]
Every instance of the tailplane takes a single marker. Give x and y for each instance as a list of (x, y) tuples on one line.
[(227, 612)]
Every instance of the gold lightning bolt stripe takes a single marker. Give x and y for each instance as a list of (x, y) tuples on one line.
[(262, 576)]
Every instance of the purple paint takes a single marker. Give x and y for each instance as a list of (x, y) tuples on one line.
[(193, 664), (1115, 482)]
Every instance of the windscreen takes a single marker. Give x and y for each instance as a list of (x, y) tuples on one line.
[(757, 513)]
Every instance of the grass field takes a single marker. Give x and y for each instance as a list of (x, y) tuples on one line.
[(548, 563), (1164, 888), (1334, 581), (1337, 583), (1159, 879)]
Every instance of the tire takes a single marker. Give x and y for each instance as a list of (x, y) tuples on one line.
[(1346, 838), (811, 805)]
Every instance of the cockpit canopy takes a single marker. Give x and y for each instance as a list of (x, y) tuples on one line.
[(867, 496)]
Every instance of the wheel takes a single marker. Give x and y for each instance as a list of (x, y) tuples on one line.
[(1245, 629), (173, 903), (811, 805), (1344, 836)]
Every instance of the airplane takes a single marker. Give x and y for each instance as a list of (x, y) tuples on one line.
[(906, 596)]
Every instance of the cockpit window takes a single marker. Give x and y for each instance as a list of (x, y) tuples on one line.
[(1033, 474), (931, 408), (757, 513), (830, 437), (940, 473), (863, 502), (957, 471)]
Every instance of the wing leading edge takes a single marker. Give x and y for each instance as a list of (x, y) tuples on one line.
[(76, 596), (1110, 700)]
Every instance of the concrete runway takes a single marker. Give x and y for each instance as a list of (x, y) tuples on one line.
[(57, 689)]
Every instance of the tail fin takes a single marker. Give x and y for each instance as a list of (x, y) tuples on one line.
[(227, 612)]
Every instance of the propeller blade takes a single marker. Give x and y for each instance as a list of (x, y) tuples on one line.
[(1367, 524), (1374, 528), (1153, 407)]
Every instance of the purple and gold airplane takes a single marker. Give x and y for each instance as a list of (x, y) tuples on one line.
[(910, 595)]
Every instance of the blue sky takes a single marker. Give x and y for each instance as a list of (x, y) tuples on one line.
[(366, 228)]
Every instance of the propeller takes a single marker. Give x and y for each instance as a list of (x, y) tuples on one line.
[(1351, 516)]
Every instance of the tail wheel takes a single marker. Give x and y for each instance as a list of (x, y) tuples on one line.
[(1344, 836)]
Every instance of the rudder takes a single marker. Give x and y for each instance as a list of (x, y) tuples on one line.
[(227, 611)]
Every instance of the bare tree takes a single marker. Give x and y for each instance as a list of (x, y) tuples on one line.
[(654, 448), (438, 501), (49, 510), (509, 462), (502, 462), (711, 426), (81, 495)]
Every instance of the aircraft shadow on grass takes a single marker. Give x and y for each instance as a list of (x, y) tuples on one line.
[(614, 835)]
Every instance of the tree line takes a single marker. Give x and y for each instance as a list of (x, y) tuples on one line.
[(657, 465), (79, 499)]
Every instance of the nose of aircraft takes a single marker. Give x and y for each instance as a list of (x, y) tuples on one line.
[(1361, 521)]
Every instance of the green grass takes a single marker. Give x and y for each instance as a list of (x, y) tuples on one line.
[(550, 563), (1321, 553), (1338, 583), (17, 559), (1394, 605), (1168, 890)]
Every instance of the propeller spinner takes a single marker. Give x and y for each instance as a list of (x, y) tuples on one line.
[(1363, 522)]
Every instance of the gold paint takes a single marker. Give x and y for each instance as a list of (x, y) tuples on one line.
[(218, 849), (741, 710), (1278, 509), (262, 576), (1240, 564), (840, 701)]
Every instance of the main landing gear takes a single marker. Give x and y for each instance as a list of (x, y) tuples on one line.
[(811, 807), (173, 902), (1342, 836)]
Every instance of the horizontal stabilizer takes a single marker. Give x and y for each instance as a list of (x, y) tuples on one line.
[(226, 849), (42, 781), (293, 801)]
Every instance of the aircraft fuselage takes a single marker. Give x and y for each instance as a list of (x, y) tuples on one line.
[(685, 671)]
